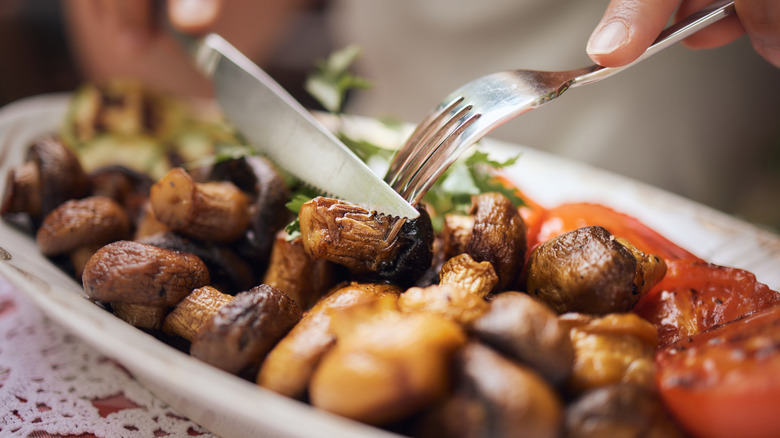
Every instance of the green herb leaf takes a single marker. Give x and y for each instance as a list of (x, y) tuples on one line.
[(331, 80)]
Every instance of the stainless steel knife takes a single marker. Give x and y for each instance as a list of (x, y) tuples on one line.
[(283, 130)]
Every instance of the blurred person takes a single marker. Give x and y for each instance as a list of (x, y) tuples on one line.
[(700, 123)]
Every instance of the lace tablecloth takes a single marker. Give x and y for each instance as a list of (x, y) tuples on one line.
[(54, 385)]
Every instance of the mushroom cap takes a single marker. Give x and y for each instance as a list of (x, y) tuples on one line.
[(62, 176), (243, 331)]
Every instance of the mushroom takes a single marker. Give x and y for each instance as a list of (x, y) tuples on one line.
[(494, 232), (620, 411), (372, 246), (50, 175), (259, 178), (194, 311), (128, 187), (386, 365), (614, 348), (296, 273), (243, 331), (529, 332), (587, 270), (227, 270), (79, 227), (289, 366), (495, 397), (137, 273), (209, 211), (143, 317)]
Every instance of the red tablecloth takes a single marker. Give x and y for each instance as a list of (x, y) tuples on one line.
[(54, 385)]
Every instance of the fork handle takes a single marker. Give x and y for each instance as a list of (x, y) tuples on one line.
[(673, 34)]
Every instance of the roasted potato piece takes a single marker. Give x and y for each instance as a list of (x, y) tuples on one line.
[(136, 273), (589, 271), (494, 232), (386, 366), (620, 411), (528, 331), (210, 211), (289, 366), (373, 247), (615, 348)]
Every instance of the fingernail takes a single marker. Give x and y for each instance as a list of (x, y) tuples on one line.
[(194, 13), (608, 38)]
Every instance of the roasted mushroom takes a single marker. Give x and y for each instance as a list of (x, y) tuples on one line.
[(137, 273), (589, 271), (289, 366), (529, 332), (128, 187), (494, 232), (210, 211), (615, 348), (193, 312), (50, 176), (620, 411), (495, 397), (372, 246), (386, 364), (241, 333)]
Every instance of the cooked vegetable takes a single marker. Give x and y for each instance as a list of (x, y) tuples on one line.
[(138, 315), (210, 211), (372, 246), (529, 332), (136, 273), (477, 277), (125, 186), (195, 311), (588, 270)]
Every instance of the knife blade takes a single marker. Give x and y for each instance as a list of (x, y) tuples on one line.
[(280, 128)]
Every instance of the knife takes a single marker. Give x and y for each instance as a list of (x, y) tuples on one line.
[(280, 128)]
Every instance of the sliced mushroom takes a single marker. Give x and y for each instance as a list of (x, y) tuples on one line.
[(374, 247), (386, 365), (244, 330), (78, 223), (620, 411), (289, 366), (528, 331), (494, 232), (50, 176), (614, 348), (496, 397), (589, 271), (210, 211), (293, 271), (137, 273)]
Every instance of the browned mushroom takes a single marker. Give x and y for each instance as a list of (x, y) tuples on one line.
[(495, 397), (137, 273), (614, 348), (588, 270), (128, 187), (293, 271), (50, 176), (209, 211), (620, 411), (494, 232), (143, 317), (386, 365), (374, 247), (243, 331), (194, 311), (528, 331), (289, 366)]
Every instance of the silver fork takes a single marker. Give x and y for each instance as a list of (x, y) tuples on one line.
[(473, 110)]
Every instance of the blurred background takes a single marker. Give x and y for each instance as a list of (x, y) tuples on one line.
[(702, 124)]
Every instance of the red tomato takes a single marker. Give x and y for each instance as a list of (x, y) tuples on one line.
[(694, 296), (567, 217), (726, 382)]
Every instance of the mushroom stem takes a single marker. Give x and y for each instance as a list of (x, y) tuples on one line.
[(194, 311)]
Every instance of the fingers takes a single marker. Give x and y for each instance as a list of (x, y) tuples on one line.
[(761, 20), (193, 16), (627, 29)]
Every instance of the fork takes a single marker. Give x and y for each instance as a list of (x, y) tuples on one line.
[(475, 109)]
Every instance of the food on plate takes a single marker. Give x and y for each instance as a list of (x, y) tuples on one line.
[(486, 316), (589, 270)]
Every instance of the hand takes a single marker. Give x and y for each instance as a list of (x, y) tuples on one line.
[(630, 26)]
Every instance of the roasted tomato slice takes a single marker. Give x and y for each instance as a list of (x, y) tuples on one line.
[(725, 382), (694, 296), (567, 217)]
